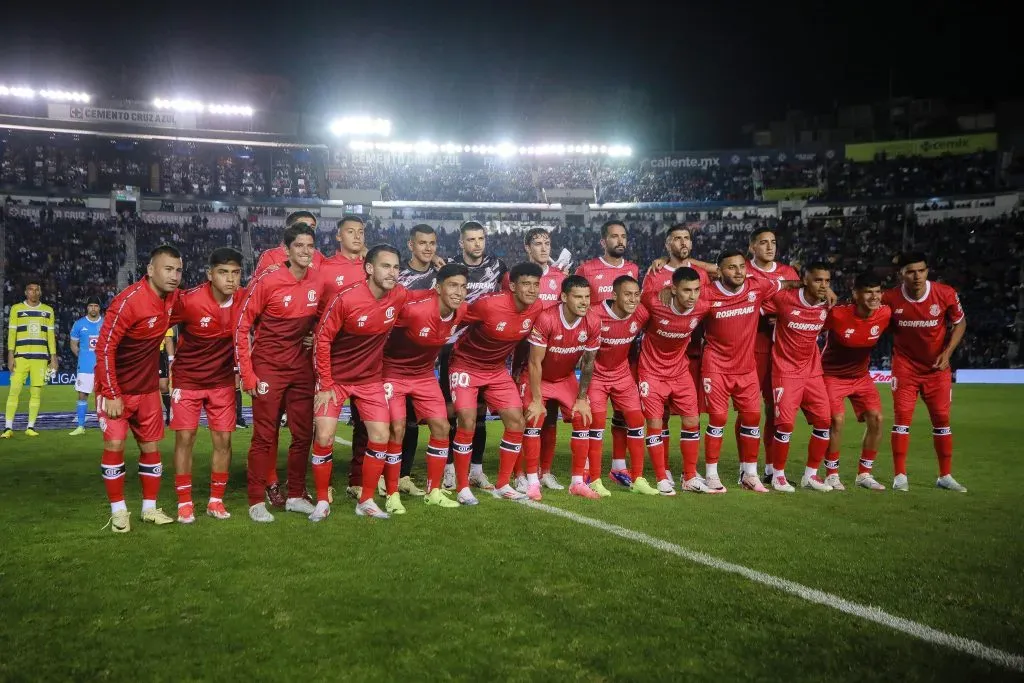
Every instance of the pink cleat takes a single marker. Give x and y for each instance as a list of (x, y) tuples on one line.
[(533, 492), (583, 491), (752, 482)]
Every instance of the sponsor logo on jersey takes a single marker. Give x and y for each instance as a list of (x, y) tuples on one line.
[(287, 300), (205, 321), (500, 327), (361, 321), (804, 327), (425, 332), (918, 323), (746, 310), (152, 321)]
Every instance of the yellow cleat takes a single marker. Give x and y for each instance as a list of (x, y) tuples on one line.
[(393, 505), (78, 431), (641, 486), (31, 432), (597, 486), (120, 522), (8, 433), (156, 516), (437, 497)]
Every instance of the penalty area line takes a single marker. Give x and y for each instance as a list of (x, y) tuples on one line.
[(874, 614), (342, 441)]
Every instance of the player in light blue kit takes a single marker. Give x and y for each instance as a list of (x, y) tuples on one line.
[(84, 334)]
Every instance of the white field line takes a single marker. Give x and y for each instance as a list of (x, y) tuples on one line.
[(342, 441)]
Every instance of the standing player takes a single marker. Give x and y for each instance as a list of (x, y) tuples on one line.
[(84, 335), (485, 275), (477, 370), (622, 319), (348, 353), (127, 385), (31, 353), (280, 307), (601, 273), (665, 382), (797, 378), (921, 310), (276, 256), (423, 327), (204, 378), (763, 266), (852, 332), (167, 348), (562, 336)]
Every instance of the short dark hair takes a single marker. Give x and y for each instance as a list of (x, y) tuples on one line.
[(377, 249), (684, 275), (451, 270), (867, 280), (757, 233), (677, 227), (93, 300), (908, 257), (534, 232), (623, 279), (164, 250), (224, 255), (470, 225), (351, 218), (729, 253), (34, 280), (574, 281), (296, 229), (524, 269), (608, 224), (421, 229), (817, 265), (296, 216)]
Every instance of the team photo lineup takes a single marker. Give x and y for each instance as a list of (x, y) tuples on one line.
[(441, 341)]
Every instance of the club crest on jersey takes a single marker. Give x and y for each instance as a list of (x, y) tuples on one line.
[(527, 323), (176, 395), (934, 310), (551, 284), (205, 321), (152, 321), (751, 296), (262, 388), (693, 323), (287, 299), (632, 327), (822, 316), (874, 330), (390, 312), (583, 337), (311, 295)]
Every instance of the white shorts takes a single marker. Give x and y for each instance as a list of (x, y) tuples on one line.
[(84, 382)]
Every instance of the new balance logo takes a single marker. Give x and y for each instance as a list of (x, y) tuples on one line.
[(152, 321), (361, 321), (205, 321), (425, 332), (500, 327)]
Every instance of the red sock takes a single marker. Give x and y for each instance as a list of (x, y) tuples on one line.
[(867, 461), (112, 466), (656, 449), (713, 438), (748, 439), (900, 440), (832, 463), (548, 437), (530, 453), (817, 447), (437, 457), (689, 446), (579, 446), (635, 443), (462, 444), (218, 483), (373, 467), (618, 436), (595, 447), (780, 447), (323, 466), (183, 487), (942, 439), (149, 475), (392, 467), (508, 451)]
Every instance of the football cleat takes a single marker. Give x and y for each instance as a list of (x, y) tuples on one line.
[(533, 492), (695, 485), (186, 514), (548, 481), (521, 484), (466, 497), (120, 522), (715, 485), (583, 491), (438, 498), (259, 513), (780, 484), (301, 505), (950, 484), (77, 431), (868, 482), (393, 504), (369, 509), (406, 486), (320, 512), (671, 479), (8, 433), (666, 487), (641, 486), (815, 483), (156, 516), (382, 487), (217, 510), (275, 497), (834, 481), (31, 432), (353, 492), (599, 488), (506, 492), (448, 480), (479, 480), (622, 476), (752, 482)]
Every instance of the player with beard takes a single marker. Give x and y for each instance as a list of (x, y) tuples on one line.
[(485, 276), (601, 273)]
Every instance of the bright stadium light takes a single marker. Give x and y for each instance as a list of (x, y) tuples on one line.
[(504, 149), (230, 109), (21, 91), (65, 96), (361, 125), (619, 151)]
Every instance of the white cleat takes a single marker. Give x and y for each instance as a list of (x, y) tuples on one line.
[(299, 505), (671, 479), (666, 487), (833, 481), (479, 480), (522, 484), (548, 481), (466, 497), (259, 513), (370, 509), (950, 484), (900, 483), (714, 485), (696, 485), (320, 512), (815, 483), (506, 492), (448, 480), (868, 482), (781, 485)]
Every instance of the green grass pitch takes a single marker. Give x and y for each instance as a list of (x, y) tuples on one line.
[(503, 592)]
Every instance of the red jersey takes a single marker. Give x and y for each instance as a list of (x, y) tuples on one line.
[(731, 325), (660, 279), (277, 256), (550, 286), (565, 343), (497, 326), (617, 336), (128, 348), (338, 272), (919, 326), (601, 275), (798, 323), (418, 336), (281, 311), (850, 339), (349, 344), (778, 271), (205, 357), (667, 335)]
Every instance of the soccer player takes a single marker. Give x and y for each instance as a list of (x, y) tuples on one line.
[(84, 334), (728, 367), (423, 327), (601, 273), (477, 369), (346, 266), (797, 378), (485, 275), (127, 385), (280, 307), (664, 379), (204, 378), (167, 348), (348, 353), (279, 255), (763, 248), (562, 336), (853, 331), (622, 320), (921, 311), (31, 354)]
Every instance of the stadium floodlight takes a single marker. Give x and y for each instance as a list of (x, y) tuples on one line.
[(230, 109), (20, 91), (361, 125), (619, 151), (65, 96)]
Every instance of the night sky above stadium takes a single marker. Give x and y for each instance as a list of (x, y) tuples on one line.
[(526, 71)]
